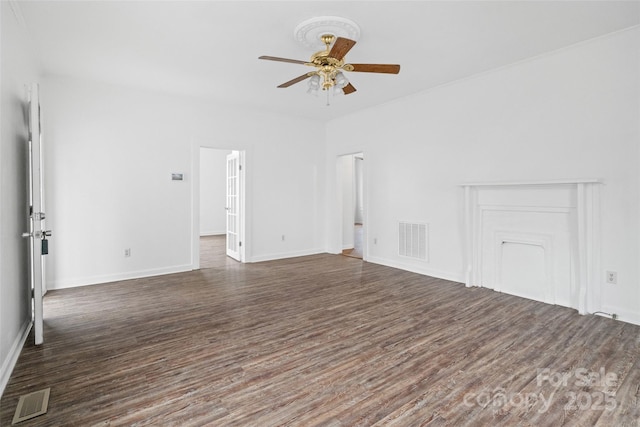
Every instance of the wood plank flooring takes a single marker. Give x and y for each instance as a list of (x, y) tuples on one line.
[(323, 340)]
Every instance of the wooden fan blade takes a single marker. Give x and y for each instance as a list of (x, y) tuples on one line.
[(376, 68), (275, 58), (296, 80), (348, 89), (341, 47)]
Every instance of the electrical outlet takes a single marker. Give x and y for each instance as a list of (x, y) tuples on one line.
[(612, 277), (127, 252)]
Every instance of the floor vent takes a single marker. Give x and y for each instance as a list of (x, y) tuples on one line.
[(412, 240), (32, 405)]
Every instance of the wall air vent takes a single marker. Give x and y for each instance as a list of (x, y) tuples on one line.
[(412, 240)]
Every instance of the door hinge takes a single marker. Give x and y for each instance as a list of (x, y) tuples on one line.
[(239, 244), (239, 167)]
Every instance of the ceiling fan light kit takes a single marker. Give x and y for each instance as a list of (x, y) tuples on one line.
[(338, 35)]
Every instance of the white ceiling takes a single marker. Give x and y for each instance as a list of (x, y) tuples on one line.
[(210, 48)]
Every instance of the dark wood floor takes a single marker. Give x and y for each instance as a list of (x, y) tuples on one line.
[(322, 340)]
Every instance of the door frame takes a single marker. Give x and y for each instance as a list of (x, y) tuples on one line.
[(37, 229), (243, 231), (365, 202)]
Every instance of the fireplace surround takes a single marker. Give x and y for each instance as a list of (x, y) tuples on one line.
[(535, 239)]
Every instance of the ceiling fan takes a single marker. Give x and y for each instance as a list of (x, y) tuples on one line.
[(329, 66)]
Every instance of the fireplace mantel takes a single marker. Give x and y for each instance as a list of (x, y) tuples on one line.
[(577, 201)]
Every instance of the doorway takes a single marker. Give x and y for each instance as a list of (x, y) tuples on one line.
[(351, 187), (214, 220)]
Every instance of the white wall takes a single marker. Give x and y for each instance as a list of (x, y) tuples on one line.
[(573, 113), (18, 68), (213, 178), (110, 153)]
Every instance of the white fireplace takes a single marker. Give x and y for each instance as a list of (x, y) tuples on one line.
[(538, 240)]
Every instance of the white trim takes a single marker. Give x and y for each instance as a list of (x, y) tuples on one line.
[(95, 280), (446, 275), (195, 206), (284, 255), (213, 233), (531, 209), (623, 314), (545, 182), (12, 358)]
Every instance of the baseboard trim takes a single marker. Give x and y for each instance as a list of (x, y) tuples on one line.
[(284, 255), (96, 280), (12, 358), (623, 314), (417, 269), (212, 233)]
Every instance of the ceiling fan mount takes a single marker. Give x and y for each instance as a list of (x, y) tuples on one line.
[(309, 32)]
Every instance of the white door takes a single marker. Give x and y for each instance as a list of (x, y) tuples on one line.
[(233, 205), (37, 233)]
